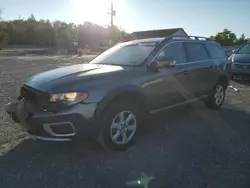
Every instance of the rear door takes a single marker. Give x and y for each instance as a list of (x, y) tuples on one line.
[(198, 64), (217, 63)]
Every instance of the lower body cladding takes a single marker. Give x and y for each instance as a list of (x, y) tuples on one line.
[(74, 122)]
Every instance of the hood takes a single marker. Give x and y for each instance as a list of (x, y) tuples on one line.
[(49, 80), (241, 58)]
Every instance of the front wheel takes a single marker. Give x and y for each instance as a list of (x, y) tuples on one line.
[(119, 124), (216, 100)]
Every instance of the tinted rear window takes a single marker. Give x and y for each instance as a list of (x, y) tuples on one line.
[(215, 51), (195, 51)]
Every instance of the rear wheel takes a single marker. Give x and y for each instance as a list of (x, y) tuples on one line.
[(218, 96), (119, 124)]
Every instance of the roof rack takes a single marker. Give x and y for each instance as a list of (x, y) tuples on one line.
[(199, 38), (188, 37)]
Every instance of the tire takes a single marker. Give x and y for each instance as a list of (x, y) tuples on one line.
[(114, 125), (217, 98)]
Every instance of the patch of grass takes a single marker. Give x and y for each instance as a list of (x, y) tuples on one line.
[(13, 52)]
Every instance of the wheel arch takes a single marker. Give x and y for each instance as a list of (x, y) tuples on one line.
[(130, 93), (224, 79)]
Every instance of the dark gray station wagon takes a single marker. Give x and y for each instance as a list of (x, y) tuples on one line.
[(112, 95)]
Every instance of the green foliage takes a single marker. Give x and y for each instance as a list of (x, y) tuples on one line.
[(228, 38), (3, 35), (3, 39), (57, 34), (61, 35)]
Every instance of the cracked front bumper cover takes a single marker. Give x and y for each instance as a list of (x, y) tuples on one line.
[(51, 126)]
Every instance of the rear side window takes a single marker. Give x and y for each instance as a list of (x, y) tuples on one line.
[(215, 51), (195, 51)]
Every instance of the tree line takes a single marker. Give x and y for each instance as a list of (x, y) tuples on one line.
[(57, 34), (228, 38)]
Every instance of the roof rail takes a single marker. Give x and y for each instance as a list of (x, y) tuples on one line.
[(188, 37), (199, 38)]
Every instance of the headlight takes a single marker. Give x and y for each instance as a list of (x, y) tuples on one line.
[(69, 98)]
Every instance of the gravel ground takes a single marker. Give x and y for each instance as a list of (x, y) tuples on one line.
[(189, 146)]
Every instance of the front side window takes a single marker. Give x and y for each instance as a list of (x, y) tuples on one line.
[(172, 52), (125, 54), (245, 49), (215, 51), (195, 51)]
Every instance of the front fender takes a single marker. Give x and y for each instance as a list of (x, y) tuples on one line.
[(117, 92)]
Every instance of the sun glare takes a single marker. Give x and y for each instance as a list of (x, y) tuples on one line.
[(93, 10)]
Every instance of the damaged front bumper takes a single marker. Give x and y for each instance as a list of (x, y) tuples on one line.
[(49, 126)]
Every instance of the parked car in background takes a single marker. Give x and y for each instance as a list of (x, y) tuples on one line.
[(112, 95), (240, 60)]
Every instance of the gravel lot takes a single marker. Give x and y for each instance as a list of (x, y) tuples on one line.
[(189, 146)]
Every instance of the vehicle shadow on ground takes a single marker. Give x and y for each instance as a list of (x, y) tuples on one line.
[(245, 82), (185, 133)]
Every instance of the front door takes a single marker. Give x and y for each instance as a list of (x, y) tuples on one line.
[(167, 86)]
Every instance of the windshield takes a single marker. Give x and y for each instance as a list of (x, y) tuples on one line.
[(245, 49), (123, 54)]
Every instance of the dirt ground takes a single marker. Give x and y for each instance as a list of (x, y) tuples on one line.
[(189, 146)]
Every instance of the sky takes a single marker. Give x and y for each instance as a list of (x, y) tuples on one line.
[(196, 17)]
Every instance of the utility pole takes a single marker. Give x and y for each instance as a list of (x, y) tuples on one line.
[(112, 14)]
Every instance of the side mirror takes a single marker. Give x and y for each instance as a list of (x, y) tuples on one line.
[(234, 51), (156, 65), (165, 64)]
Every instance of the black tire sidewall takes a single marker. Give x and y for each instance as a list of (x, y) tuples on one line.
[(106, 120)]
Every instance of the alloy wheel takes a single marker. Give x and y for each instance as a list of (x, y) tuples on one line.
[(123, 127), (219, 95)]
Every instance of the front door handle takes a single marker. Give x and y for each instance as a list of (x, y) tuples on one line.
[(185, 72)]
